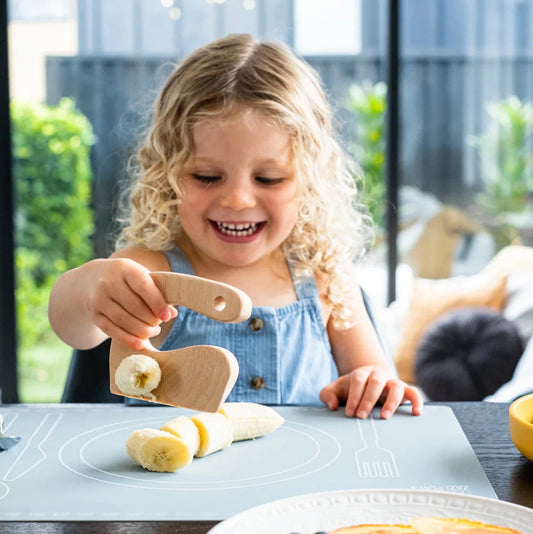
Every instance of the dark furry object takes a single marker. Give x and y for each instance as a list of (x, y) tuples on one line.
[(467, 355)]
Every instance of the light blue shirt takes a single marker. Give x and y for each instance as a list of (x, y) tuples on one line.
[(284, 353)]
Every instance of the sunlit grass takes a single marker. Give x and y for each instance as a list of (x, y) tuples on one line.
[(42, 371)]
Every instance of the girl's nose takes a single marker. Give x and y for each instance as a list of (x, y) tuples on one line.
[(237, 198)]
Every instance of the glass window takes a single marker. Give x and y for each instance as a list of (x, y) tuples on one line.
[(467, 133), (466, 124)]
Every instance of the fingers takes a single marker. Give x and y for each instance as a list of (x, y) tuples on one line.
[(123, 336), (394, 398), (417, 402), (398, 393), (148, 301), (330, 394), (126, 304), (119, 324), (363, 388)]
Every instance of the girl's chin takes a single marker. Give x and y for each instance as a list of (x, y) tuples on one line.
[(237, 255)]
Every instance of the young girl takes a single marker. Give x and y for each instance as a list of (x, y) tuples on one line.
[(240, 180)]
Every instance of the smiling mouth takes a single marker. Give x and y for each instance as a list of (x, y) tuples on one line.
[(238, 229)]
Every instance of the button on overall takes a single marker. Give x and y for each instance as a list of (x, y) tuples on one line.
[(255, 324), (257, 382)]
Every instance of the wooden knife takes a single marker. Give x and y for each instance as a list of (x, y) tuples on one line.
[(199, 377)]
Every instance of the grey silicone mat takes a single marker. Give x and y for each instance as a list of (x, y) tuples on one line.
[(72, 464)]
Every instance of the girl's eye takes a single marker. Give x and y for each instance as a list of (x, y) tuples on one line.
[(268, 181), (206, 179)]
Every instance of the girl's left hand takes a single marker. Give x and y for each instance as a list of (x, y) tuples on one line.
[(367, 386)]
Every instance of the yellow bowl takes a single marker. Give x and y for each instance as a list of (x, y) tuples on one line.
[(521, 424)]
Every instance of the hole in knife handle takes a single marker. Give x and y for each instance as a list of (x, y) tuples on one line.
[(219, 303)]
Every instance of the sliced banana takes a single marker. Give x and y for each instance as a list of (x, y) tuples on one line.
[(138, 375), (175, 444), (215, 432), (250, 420), (159, 451), (183, 428)]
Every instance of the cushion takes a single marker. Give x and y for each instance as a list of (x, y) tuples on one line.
[(510, 260), (432, 298), (519, 302), (433, 254), (467, 355)]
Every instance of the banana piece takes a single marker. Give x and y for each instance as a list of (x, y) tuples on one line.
[(215, 432), (250, 420), (138, 375), (183, 428), (159, 451)]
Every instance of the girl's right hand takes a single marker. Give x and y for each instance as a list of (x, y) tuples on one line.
[(124, 302)]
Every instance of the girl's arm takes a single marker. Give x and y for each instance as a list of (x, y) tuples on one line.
[(114, 297), (365, 375)]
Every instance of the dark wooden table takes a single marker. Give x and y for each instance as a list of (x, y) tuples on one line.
[(486, 425)]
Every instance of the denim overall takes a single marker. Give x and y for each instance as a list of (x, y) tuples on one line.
[(284, 353)]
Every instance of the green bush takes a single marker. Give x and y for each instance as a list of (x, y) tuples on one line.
[(506, 156), (368, 103), (506, 165), (53, 218)]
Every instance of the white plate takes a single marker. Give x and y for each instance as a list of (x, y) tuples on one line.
[(307, 514)]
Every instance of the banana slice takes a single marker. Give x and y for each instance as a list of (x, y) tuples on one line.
[(215, 432), (159, 451), (250, 420), (138, 375), (183, 428)]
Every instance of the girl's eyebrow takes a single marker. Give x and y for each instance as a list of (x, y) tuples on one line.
[(275, 161), (201, 159)]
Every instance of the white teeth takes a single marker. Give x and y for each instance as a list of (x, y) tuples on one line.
[(242, 229)]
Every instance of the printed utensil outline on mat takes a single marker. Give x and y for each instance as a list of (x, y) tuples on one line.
[(372, 460), (32, 454), (198, 377)]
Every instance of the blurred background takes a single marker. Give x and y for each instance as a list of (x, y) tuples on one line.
[(83, 75)]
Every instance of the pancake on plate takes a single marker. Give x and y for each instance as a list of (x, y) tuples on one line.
[(429, 525), (376, 529), (449, 525)]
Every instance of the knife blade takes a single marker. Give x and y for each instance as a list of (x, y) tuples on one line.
[(6, 442)]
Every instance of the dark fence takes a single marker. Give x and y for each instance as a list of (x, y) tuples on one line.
[(443, 103)]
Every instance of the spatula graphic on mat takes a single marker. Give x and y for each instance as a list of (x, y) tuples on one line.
[(198, 377)]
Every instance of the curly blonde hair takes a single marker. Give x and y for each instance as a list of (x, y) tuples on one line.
[(239, 72)]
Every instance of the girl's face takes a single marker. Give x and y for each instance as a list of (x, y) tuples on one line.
[(238, 190)]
